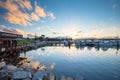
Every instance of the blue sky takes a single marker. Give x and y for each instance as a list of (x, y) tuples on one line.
[(74, 18)]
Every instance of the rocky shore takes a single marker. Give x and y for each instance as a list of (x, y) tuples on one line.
[(26, 70)]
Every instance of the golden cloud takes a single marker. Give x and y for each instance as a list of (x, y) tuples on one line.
[(104, 31), (16, 31), (34, 16), (19, 17), (40, 11), (9, 5), (17, 12), (24, 4), (15, 15)]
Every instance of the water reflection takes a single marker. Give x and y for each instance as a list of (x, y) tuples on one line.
[(98, 47), (70, 60), (11, 57)]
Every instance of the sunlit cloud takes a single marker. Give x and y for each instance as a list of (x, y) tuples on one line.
[(9, 5), (79, 31), (16, 31), (51, 30), (20, 12), (10, 30), (19, 18), (24, 4), (15, 15), (29, 34), (71, 30), (111, 31), (39, 11), (54, 33), (34, 16), (51, 15)]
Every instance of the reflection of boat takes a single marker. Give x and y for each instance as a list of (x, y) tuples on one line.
[(89, 43), (42, 49), (104, 48), (77, 43), (65, 43), (82, 43), (77, 46), (89, 47), (97, 48)]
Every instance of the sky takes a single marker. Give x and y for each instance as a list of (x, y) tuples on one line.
[(57, 18)]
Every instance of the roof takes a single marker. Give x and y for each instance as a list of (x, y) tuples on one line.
[(10, 35)]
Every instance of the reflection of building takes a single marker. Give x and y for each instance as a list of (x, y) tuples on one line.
[(10, 57), (8, 40), (13, 57)]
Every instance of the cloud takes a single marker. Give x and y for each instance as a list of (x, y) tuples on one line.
[(15, 31), (38, 28), (19, 18), (34, 16), (52, 66), (24, 4), (40, 11), (54, 33), (10, 30), (15, 15), (20, 12), (51, 15), (9, 5), (71, 30), (105, 31), (114, 6), (79, 31), (30, 34)]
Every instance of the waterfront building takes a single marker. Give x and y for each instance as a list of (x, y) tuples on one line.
[(8, 40)]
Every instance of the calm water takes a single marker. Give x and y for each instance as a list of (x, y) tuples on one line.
[(89, 62)]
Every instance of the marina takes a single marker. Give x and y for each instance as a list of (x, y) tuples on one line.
[(59, 39), (42, 62)]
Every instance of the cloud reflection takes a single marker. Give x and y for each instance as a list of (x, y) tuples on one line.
[(52, 66), (35, 64)]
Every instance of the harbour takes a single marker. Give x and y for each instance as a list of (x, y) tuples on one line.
[(41, 61), (59, 39)]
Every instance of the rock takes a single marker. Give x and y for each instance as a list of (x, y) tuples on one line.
[(3, 75), (2, 64), (51, 76), (62, 78), (66, 78), (21, 75), (81, 78), (28, 69), (10, 67), (69, 78), (39, 75), (31, 70)]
